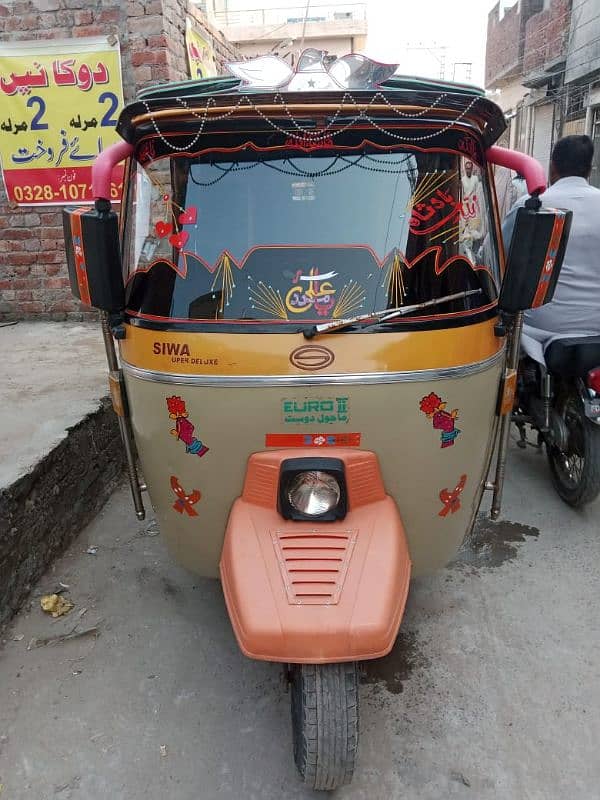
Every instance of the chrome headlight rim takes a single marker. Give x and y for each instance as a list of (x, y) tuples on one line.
[(313, 492), (291, 470)]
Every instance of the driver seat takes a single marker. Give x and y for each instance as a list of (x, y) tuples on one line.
[(573, 358)]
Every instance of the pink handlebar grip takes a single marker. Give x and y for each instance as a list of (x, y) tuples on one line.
[(103, 167), (525, 165)]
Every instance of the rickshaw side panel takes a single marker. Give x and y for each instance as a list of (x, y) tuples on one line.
[(433, 467)]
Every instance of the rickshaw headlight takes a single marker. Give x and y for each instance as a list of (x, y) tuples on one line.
[(313, 493)]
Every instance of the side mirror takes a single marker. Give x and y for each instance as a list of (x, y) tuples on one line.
[(94, 256), (535, 256)]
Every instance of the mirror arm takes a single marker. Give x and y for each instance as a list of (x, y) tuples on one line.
[(524, 165), (103, 167)]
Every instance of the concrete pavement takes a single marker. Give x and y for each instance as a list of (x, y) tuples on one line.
[(60, 449), (492, 691), (53, 375)]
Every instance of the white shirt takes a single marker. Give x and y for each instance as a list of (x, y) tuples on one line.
[(575, 307), (470, 184)]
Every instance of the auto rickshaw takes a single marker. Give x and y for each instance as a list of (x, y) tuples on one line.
[(317, 334)]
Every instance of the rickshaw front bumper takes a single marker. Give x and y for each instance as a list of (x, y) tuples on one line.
[(309, 591)]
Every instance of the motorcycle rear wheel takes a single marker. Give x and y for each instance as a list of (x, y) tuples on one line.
[(325, 722), (576, 470)]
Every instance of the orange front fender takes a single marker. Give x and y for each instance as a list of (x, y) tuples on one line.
[(315, 592)]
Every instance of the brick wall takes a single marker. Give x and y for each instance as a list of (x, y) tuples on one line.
[(546, 35), (506, 41), (33, 272)]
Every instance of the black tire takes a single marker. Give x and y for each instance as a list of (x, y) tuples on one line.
[(325, 722), (576, 470)]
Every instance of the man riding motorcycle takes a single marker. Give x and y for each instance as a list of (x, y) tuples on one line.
[(575, 309), (559, 396)]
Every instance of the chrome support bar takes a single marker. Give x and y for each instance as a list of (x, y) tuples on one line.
[(512, 362), (124, 424)]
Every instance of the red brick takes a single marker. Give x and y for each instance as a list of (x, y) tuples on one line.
[(158, 41), (24, 283), (56, 283), (149, 25), (17, 233), (89, 30), (51, 232), (108, 15), (50, 218), (83, 17), (24, 259), (32, 308), (143, 57), (55, 257)]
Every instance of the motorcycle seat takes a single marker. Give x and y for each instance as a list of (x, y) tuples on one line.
[(573, 358)]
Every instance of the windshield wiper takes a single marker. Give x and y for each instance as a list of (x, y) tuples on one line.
[(382, 316)]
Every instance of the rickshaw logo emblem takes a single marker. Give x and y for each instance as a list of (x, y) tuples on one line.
[(311, 291), (451, 500), (445, 421), (312, 357), (185, 502)]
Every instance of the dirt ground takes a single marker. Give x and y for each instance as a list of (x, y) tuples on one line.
[(492, 689)]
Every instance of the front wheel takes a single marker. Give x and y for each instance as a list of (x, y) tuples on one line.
[(325, 722), (575, 468)]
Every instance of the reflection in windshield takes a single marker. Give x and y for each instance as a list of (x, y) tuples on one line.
[(310, 238)]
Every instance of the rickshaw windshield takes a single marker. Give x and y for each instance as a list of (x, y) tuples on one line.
[(296, 238)]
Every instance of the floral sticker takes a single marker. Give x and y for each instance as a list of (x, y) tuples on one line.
[(184, 429), (445, 421)]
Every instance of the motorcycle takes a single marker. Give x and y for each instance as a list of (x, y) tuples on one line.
[(561, 402)]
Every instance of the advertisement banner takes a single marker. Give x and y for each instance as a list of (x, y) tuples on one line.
[(59, 106), (200, 53)]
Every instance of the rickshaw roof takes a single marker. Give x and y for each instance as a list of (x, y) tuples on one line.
[(464, 102)]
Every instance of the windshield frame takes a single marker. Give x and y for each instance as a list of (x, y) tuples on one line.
[(452, 319)]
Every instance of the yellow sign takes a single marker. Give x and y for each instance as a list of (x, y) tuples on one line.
[(200, 53), (59, 106)]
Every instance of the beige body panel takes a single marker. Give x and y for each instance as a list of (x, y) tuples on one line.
[(233, 422)]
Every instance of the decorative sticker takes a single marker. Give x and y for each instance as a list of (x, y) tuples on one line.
[(312, 291), (185, 502), (468, 146), (312, 440), (184, 430), (433, 211), (317, 410), (167, 229), (445, 421), (451, 500)]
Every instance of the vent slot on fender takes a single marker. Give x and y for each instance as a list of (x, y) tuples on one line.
[(314, 564)]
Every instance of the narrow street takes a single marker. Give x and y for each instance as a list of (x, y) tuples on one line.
[(492, 690)]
